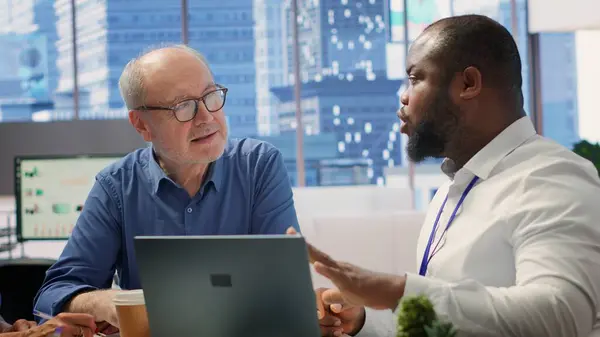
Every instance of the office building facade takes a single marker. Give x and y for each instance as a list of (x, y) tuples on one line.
[(269, 45), (28, 77), (559, 88), (224, 32), (111, 32), (321, 162), (345, 90)]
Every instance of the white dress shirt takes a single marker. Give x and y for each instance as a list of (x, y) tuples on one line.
[(522, 256)]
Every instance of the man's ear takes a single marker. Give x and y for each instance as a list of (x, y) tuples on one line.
[(471, 83), (141, 124)]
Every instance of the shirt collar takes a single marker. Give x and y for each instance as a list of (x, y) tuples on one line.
[(484, 161), (156, 173)]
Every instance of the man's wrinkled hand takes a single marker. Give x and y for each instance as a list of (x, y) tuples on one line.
[(105, 312), (22, 325), (65, 325), (357, 287)]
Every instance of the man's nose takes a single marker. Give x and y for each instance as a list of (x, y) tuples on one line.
[(203, 116), (404, 97)]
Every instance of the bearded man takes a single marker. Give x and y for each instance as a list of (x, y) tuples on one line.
[(510, 246)]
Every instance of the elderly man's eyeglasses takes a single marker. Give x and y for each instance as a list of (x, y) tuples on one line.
[(186, 110)]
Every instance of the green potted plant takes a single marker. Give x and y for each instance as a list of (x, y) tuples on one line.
[(417, 318), (589, 151)]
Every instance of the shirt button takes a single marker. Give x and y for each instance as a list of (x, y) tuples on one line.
[(189, 210)]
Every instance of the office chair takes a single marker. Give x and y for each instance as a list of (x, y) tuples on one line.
[(20, 280)]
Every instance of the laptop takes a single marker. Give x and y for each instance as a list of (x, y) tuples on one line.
[(227, 286)]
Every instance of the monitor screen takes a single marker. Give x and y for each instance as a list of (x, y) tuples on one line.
[(50, 193)]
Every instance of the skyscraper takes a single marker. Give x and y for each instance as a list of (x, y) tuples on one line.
[(345, 90), (111, 32), (224, 32), (27, 76), (268, 57), (559, 87)]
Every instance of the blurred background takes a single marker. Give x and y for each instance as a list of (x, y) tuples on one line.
[(324, 93)]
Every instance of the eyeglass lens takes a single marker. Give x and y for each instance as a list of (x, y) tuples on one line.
[(213, 102)]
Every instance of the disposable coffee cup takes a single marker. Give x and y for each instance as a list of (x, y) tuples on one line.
[(131, 311)]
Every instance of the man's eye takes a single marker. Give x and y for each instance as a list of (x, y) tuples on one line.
[(184, 105)]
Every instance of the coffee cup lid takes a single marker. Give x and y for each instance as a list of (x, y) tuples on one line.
[(129, 297)]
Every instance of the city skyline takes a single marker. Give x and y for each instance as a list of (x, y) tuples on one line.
[(351, 57)]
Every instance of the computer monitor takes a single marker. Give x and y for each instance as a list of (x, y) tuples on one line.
[(50, 193)]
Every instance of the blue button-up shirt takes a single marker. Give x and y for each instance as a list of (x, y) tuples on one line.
[(247, 191)]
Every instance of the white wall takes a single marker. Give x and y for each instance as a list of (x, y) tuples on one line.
[(588, 74), (427, 178), (311, 203), (367, 198), (563, 16)]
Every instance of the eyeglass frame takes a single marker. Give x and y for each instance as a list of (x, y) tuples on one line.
[(196, 104)]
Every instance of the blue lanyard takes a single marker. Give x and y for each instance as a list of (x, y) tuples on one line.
[(426, 257)]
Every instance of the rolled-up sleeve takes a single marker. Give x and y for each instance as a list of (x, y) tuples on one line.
[(273, 210), (556, 242), (89, 258)]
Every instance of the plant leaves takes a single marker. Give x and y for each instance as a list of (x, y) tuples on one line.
[(589, 151)]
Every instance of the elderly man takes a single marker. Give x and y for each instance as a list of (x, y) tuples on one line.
[(193, 181), (511, 244)]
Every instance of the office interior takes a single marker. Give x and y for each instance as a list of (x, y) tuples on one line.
[(59, 100)]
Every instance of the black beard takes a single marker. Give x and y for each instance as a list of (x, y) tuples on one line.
[(431, 136)]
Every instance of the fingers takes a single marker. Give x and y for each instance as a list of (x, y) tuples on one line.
[(320, 306), (75, 331), (316, 255), (335, 300), (333, 273), (83, 320), (330, 331), (23, 325), (88, 332), (330, 325)]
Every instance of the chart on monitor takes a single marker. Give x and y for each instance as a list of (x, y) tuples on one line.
[(50, 193)]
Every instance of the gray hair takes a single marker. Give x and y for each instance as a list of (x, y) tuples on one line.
[(131, 82)]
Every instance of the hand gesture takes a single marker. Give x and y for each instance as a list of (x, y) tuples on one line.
[(337, 319), (356, 286)]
